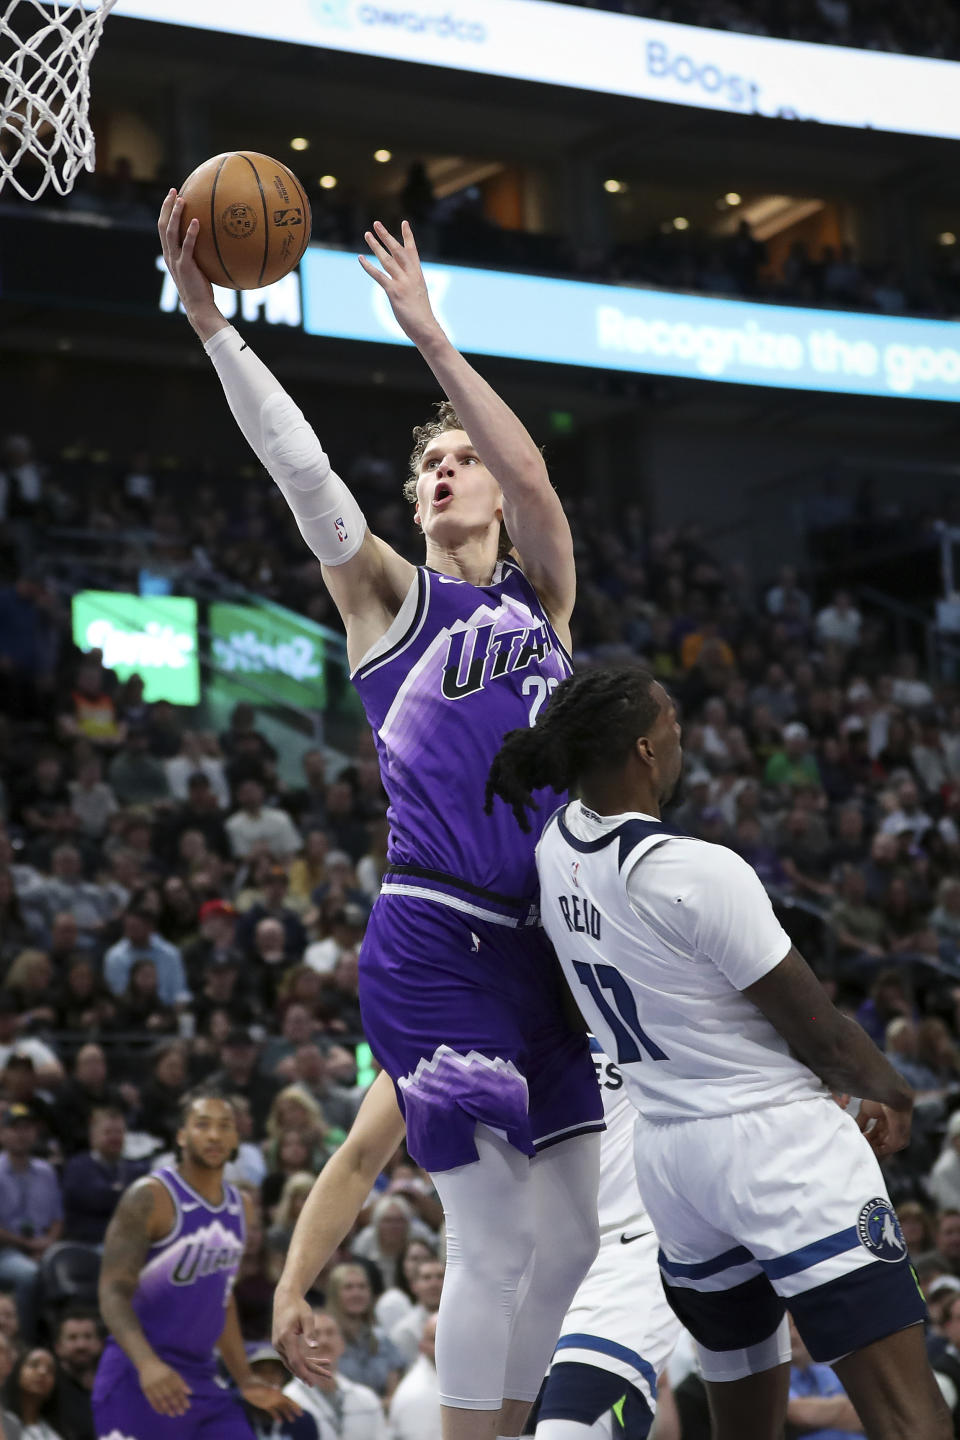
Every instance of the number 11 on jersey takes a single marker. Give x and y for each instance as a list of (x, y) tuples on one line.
[(623, 1020)]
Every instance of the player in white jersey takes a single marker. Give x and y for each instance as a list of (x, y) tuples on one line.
[(619, 1332), (763, 1192)]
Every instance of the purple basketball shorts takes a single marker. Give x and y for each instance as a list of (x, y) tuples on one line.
[(121, 1411), (466, 1016)]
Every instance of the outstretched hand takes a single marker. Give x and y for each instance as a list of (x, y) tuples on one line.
[(294, 1337), (400, 275), (194, 288)]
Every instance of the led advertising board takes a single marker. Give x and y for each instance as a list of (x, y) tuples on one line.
[(613, 54), (653, 332)]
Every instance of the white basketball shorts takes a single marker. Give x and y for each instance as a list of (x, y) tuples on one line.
[(778, 1208), (619, 1323)]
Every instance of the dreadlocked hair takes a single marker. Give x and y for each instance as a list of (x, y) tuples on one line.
[(446, 418), (591, 723)]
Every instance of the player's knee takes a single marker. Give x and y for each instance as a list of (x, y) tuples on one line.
[(574, 1249), (496, 1255)]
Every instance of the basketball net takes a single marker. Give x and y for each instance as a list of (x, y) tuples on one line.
[(45, 55)]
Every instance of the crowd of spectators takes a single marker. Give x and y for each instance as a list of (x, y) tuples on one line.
[(458, 228), (171, 911)]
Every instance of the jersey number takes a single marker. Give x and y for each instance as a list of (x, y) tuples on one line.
[(622, 1016), (539, 688)]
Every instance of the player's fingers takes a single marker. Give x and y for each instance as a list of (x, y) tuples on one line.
[(409, 244), (899, 1136), (190, 240), (299, 1367), (175, 1396), (390, 241), (318, 1368), (381, 251), (375, 272), (879, 1136), (173, 228), (285, 1350), (165, 209), (288, 1409), (173, 221), (177, 1390), (161, 1401)]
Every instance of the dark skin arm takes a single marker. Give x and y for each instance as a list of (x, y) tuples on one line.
[(144, 1214), (263, 1397), (836, 1049), (11, 1239)]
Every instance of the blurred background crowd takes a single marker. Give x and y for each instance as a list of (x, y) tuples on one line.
[(172, 911), (184, 888)]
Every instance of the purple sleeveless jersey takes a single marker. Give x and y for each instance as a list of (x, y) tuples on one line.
[(185, 1284), (461, 665), (459, 989)]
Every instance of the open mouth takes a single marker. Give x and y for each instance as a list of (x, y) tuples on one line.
[(442, 495)]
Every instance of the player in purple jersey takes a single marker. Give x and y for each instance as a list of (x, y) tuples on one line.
[(170, 1259), (459, 991)]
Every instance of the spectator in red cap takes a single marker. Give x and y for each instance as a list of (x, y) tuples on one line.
[(216, 942)]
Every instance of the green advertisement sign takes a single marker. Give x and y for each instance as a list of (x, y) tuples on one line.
[(151, 636), (285, 655)]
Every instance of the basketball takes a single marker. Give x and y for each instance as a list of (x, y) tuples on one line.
[(254, 219)]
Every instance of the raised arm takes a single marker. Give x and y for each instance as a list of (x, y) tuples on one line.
[(144, 1214), (337, 1197), (835, 1048), (367, 580), (532, 511)]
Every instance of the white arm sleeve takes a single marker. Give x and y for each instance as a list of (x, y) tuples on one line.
[(329, 518)]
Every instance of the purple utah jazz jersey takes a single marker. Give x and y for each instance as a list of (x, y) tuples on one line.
[(461, 665), (186, 1281)]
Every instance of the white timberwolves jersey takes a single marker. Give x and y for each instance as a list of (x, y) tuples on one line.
[(657, 935), (619, 1200)]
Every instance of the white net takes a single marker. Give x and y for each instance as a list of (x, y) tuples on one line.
[(45, 55)]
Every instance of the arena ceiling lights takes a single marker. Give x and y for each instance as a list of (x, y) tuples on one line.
[(608, 53)]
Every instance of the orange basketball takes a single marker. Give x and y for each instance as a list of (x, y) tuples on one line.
[(254, 219)]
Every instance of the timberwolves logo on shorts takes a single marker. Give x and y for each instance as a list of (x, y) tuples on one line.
[(879, 1231)]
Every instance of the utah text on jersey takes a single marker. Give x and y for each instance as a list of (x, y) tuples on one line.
[(469, 649)]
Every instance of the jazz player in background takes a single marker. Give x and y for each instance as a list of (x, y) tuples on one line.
[(170, 1259), (763, 1192), (617, 1335), (462, 1002)]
